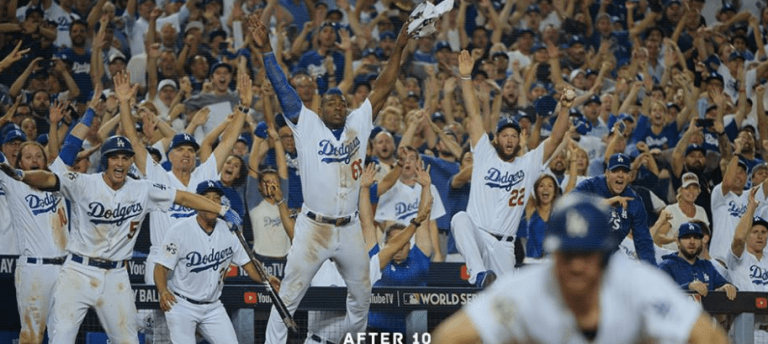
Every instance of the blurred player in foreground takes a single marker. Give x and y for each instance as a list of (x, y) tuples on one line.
[(584, 295)]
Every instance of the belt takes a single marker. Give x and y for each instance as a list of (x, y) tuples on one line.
[(320, 339), (192, 301), (501, 237), (99, 263), (46, 261), (338, 221)]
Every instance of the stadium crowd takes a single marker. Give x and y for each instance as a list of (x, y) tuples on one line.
[(664, 100)]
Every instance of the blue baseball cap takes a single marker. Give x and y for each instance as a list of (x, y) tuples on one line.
[(757, 220), (580, 223), (533, 8), (619, 160), (593, 99), (714, 76), (14, 135), (438, 116), (440, 45), (42, 139), (7, 129), (387, 35), (690, 228), (576, 40), (184, 139), (736, 55), (695, 147), (209, 185), (220, 64), (507, 122), (545, 105)]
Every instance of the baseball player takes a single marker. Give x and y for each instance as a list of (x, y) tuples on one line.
[(584, 295), (107, 209), (331, 150), (199, 250), (41, 220), (183, 174), (502, 182)]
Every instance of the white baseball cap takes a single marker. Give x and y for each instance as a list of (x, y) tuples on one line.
[(166, 82), (690, 178)]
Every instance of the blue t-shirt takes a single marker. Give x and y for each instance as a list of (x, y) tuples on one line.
[(412, 272), (81, 70), (314, 64), (533, 229), (441, 172), (666, 139)]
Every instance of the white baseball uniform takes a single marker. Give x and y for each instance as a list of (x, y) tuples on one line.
[(161, 221), (41, 222), (199, 261), (485, 232), (105, 225), (8, 242), (726, 213), (327, 325), (331, 165), (401, 204), (638, 304)]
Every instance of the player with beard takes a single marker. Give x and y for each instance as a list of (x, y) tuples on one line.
[(690, 272), (627, 210), (502, 183)]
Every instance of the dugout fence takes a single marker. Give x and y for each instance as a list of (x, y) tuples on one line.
[(447, 292)]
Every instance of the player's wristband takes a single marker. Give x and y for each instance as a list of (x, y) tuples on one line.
[(243, 109), (466, 77), (415, 223), (280, 202), (223, 211)]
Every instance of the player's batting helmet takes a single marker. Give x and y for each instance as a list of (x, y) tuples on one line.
[(580, 222), (114, 145)]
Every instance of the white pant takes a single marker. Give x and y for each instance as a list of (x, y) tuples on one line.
[(80, 287), (34, 284), (212, 320), (159, 332), (481, 250), (313, 243)]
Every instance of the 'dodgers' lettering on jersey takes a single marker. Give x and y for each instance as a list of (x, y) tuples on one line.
[(42, 205), (503, 181), (758, 276), (404, 210), (100, 214), (209, 261), (342, 153), (179, 211)]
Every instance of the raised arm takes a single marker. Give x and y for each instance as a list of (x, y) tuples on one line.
[(124, 93), (366, 208), (471, 104), (561, 124), (289, 99), (385, 82), (745, 224)]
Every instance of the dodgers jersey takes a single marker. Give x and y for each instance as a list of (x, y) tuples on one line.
[(638, 304), (160, 221), (330, 166), (106, 222), (500, 189), (200, 260), (40, 218), (401, 203), (747, 272), (726, 213)]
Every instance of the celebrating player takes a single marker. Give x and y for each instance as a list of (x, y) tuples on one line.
[(196, 283), (107, 210), (627, 211), (583, 295), (502, 183), (328, 226)]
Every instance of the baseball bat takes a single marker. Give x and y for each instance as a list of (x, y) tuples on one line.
[(276, 300)]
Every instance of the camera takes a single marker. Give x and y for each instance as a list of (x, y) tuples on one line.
[(704, 122)]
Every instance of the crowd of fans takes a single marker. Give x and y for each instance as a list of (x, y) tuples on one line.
[(675, 88)]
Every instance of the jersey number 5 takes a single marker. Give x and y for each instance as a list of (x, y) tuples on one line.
[(357, 168), (517, 197), (134, 228)]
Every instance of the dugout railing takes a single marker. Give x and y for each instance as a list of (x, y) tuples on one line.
[(447, 291)]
